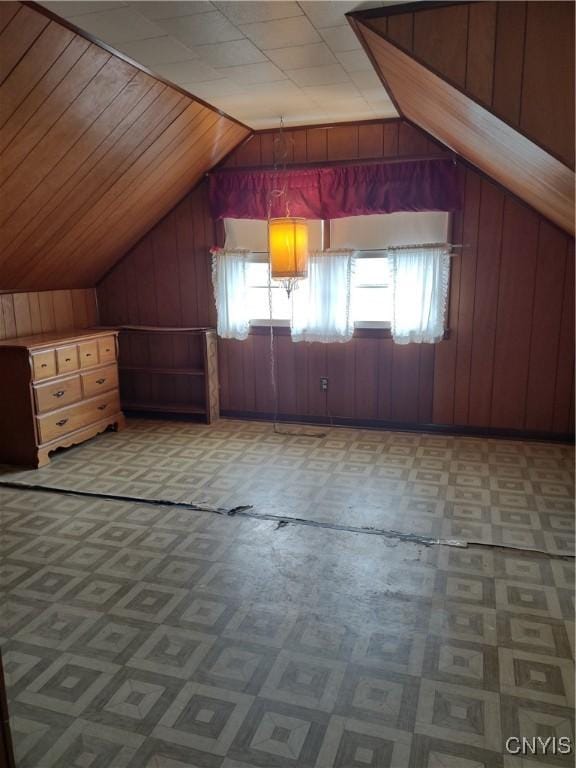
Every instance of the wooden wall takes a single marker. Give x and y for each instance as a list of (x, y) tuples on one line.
[(27, 313), (515, 58), (507, 363), (472, 131), (93, 150)]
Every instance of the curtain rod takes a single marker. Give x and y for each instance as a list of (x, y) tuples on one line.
[(451, 246), (418, 245), (301, 166)]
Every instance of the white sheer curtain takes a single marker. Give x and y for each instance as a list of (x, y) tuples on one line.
[(230, 292), (321, 306), (419, 293)]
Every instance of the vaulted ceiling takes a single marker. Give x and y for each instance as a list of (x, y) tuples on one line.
[(93, 152), (95, 149), (493, 81)]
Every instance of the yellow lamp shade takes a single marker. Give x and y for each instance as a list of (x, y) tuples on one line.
[(288, 245)]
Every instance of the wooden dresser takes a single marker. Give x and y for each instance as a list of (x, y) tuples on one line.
[(56, 390)]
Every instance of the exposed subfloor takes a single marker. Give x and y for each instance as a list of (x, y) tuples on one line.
[(143, 636)]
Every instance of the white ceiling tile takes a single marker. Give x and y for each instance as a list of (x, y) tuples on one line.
[(341, 38), (354, 61), (201, 29), (157, 50), (247, 12), (169, 9), (213, 90), (281, 34), (299, 56), (384, 109), (230, 54), (351, 112), (293, 116), (368, 79), (282, 89), (375, 94), (69, 8), (250, 74), (331, 13), (187, 72), (117, 25), (298, 60), (320, 75), (332, 94)]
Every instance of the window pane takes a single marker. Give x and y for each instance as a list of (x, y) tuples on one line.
[(257, 278), (370, 300), (371, 304), (370, 271)]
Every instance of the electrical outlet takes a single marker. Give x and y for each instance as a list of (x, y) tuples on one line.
[(324, 383)]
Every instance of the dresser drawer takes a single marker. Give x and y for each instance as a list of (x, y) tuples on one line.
[(61, 422), (102, 380), (67, 358), (88, 351), (58, 393), (44, 364), (107, 349)]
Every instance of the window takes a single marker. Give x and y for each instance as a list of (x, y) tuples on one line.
[(368, 236), (253, 235), (371, 300)]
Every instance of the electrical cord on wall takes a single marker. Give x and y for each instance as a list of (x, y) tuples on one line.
[(273, 377), (280, 153)]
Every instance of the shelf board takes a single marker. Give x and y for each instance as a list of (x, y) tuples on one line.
[(176, 371), (163, 407)]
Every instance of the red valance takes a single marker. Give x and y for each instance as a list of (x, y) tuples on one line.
[(336, 191)]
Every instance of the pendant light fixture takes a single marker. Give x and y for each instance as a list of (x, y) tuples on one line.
[(287, 236), (288, 245)]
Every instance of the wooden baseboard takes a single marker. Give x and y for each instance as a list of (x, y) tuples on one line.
[(442, 429)]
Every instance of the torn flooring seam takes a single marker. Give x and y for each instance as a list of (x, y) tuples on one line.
[(281, 520)]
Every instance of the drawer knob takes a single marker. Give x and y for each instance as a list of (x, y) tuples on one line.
[(107, 349), (100, 381), (61, 422), (67, 360), (88, 354), (59, 393), (44, 365), (101, 407)]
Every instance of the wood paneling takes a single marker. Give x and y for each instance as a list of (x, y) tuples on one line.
[(29, 313), (475, 133), (93, 152), (507, 362), (514, 58), (547, 107), (166, 278)]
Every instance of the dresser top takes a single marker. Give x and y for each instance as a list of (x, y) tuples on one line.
[(55, 337)]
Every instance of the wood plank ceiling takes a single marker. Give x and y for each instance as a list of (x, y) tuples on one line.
[(93, 152), (448, 68)]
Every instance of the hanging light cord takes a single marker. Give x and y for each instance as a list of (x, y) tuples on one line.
[(279, 142)]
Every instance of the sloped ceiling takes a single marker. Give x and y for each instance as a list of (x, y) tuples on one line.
[(93, 152), (492, 81)]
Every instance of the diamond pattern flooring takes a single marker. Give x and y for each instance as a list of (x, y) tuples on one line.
[(509, 493), (141, 636)]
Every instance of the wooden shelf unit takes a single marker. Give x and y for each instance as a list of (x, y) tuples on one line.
[(169, 370)]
